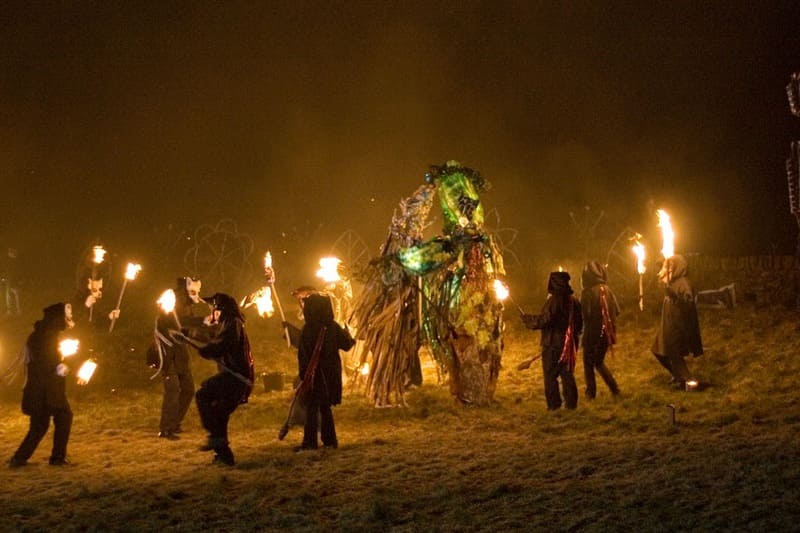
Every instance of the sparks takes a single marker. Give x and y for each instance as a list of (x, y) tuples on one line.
[(667, 234)]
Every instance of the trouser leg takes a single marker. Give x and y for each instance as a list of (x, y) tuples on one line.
[(36, 432), (312, 418), (62, 422), (186, 382), (588, 373), (569, 387), (550, 374), (679, 368), (327, 426), (170, 404)]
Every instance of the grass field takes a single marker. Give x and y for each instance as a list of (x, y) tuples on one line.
[(730, 462)]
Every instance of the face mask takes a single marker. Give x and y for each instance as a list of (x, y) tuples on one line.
[(95, 287), (193, 289), (68, 316)]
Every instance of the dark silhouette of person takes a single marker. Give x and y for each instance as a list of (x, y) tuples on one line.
[(44, 394), (600, 310)]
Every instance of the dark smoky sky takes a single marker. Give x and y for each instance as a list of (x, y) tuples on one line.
[(119, 118)]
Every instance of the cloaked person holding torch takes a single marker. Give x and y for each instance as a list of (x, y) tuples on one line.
[(44, 395)]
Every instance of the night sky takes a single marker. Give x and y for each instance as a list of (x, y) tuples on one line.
[(119, 118)]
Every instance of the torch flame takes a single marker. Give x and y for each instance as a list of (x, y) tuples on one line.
[(268, 260), (167, 301), (500, 290), (99, 254), (68, 347), (329, 271), (132, 270), (667, 235), (263, 302), (638, 250), (364, 369), (86, 371)]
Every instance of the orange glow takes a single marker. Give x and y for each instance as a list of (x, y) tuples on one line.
[(263, 302), (86, 371), (132, 271), (99, 253), (329, 271), (667, 234), (167, 301), (500, 290), (638, 250), (68, 347)]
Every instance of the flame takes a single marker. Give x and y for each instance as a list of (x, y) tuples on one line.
[(364, 369), (500, 290), (263, 302), (99, 254), (638, 250), (86, 371), (667, 235), (268, 261), (167, 301), (560, 268), (68, 347), (329, 271), (132, 270)]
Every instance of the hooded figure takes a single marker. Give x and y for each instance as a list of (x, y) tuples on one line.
[(561, 324), (44, 394), (222, 393), (320, 369), (679, 334), (600, 310)]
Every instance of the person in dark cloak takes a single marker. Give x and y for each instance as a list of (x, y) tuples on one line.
[(175, 361), (600, 311), (320, 369), (561, 324), (44, 395), (220, 395), (679, 332)]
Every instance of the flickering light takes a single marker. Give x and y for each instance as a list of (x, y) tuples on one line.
[(500, 290), (167, 301), (98, 253), (263, 301), (86, 371), (329, 271), (364, 369), (691, 385), (268, 260), (132, 270), (667, 234), (638, 250), (68, 347)]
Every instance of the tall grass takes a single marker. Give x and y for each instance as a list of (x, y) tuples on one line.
[(730, 462)]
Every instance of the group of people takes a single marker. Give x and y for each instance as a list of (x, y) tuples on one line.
[(220, 337), (565, 319)]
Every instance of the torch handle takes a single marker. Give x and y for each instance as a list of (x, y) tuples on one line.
[(280, 310), (119, 302), (641, 294)]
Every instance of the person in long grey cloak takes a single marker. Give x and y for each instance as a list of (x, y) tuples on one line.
[(679, 333)]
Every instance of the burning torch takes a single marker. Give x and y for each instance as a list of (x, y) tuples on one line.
[(638, 251), (130, 274), (269, 273)]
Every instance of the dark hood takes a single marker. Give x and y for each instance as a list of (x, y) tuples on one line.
[(559, 283), (594, 273), (54, 317), (318, 310), (226, 305), (677, 266)]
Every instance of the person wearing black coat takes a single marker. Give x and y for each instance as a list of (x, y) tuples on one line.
[(220, 395), (600, 310), (320, 369), (561, 324), (679, 333), (176, 368), (44, 394)]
